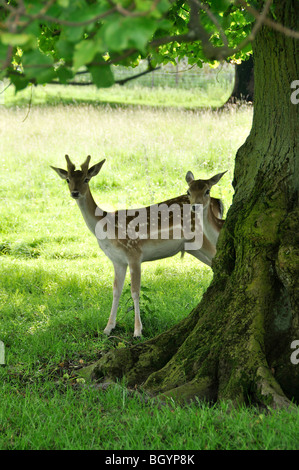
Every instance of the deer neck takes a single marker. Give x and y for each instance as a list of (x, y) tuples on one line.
[(88, 208), (211, 224)]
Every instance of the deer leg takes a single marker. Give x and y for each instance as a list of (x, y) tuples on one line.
[(119, 279), (135, 272)]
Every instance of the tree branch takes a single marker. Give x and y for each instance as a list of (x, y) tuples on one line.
[(214, 20), (267, 21), (119, 82), (259, 22), (133, 77), (196, 32)]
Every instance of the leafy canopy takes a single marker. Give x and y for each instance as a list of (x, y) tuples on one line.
[(42, 41)]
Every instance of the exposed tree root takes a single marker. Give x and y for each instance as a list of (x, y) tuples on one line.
[(270, 391)]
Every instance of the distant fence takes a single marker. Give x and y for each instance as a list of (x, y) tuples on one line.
[(181, 75), (177, 76)]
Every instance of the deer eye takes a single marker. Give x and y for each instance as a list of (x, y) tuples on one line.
[(207, 192), (188, 192), (67, 180), (86, 180)]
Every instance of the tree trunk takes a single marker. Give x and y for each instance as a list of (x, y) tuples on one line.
[(237, 343), (244, 82)]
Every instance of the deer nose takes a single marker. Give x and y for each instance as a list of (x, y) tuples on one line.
[(196, 207), (75, 194)]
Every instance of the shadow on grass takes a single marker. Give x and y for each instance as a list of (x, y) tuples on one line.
[(55, 309), (52, 100)]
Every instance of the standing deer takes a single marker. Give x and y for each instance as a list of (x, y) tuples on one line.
[(150, 244), (199, 194)]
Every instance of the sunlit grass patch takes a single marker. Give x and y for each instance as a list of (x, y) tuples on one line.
[(44, 242)]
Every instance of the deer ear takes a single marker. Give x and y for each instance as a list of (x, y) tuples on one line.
[(62, 173), (216, 178), (94, 170), (189, 177)]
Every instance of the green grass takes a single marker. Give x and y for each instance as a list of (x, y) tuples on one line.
[(212, 95), (56, 285), (59, 417)]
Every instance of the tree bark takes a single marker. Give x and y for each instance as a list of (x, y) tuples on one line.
[(237, 343)]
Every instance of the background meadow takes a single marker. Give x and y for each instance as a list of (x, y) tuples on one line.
[(56, 284), (48, 252)]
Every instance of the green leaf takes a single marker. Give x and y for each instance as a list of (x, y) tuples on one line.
[(74, 33), (220, 5), (163, 6), (65, 49), (146, 5), (78, 13), (164, 24), (247, 48), (127, 32), (102, 75), (11, 39), (38, 66), (63, 3), (19, 82), (33, 28), (84, 53), (141, 31), (3, 55), (64, 74)]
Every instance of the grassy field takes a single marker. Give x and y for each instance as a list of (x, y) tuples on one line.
[(56, 285), (212, 95)]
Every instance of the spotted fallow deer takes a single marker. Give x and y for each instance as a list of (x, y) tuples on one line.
[(123, 246), (199, 196)]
